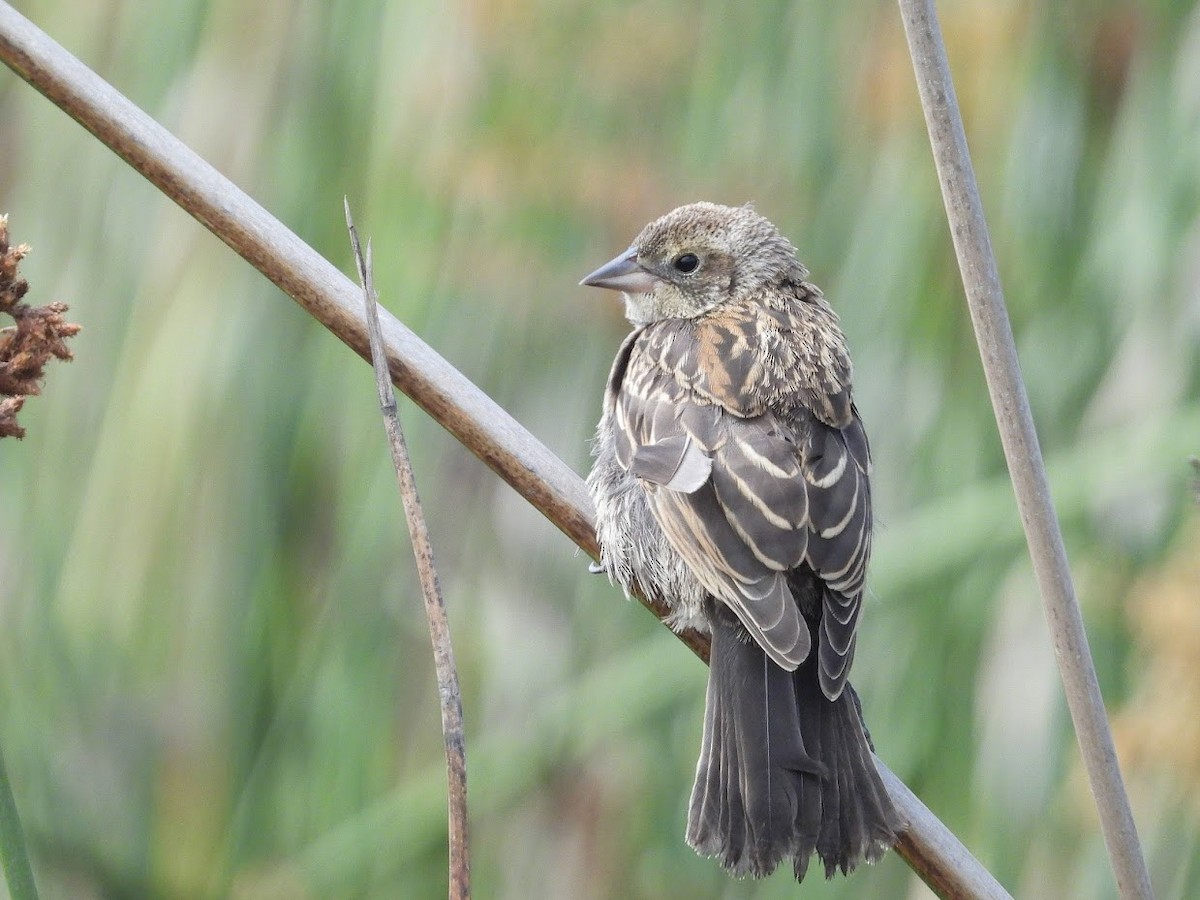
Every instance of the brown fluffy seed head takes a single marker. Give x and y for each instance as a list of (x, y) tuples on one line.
[(702, 255)]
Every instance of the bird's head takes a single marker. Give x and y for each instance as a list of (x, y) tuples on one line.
[(694, 259)]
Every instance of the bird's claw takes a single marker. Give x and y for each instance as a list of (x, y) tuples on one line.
[(597, 568)]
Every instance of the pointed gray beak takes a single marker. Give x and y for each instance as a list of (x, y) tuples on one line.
[(623, 274)]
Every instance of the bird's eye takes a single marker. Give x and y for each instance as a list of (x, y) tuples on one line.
[(686, 263)]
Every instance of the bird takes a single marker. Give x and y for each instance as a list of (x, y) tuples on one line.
[(731, 479)]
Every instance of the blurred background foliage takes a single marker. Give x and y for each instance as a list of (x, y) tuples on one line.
[(215, 677)]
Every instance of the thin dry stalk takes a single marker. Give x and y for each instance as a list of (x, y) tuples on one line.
[(449, 695), (972, 244)]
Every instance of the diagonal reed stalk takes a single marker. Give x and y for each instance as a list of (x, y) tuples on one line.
[(1010, 402)]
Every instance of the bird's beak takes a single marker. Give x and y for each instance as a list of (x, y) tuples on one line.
[(623, 274)]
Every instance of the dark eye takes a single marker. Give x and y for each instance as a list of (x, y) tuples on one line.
[(686, 263)]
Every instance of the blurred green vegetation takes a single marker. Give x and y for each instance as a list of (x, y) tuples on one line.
[(215, 677)]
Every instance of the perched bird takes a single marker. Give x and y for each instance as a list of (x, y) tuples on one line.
[(731, 479)]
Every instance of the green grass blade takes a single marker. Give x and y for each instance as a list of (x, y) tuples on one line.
[(13, 855)]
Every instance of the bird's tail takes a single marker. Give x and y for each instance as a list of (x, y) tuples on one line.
[(783, 771)]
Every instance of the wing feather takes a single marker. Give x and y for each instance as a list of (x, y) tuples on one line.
[(752, 496)]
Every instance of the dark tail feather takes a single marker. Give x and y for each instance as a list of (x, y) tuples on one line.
[(783, 772)]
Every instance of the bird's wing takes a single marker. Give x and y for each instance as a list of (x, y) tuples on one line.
[(747, 500), (836, 463)]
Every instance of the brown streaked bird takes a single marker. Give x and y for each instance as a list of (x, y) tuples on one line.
[(732, 480)]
